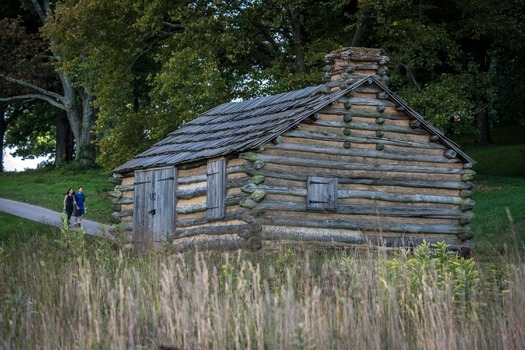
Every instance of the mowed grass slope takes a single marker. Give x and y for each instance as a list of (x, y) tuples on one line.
[(499, 160), (499, 209), (47, 188), (499, 193), (13, 227)]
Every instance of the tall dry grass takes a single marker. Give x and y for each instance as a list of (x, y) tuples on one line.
[(99, 298)]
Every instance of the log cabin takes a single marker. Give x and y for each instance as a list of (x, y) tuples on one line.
[(346, 162)]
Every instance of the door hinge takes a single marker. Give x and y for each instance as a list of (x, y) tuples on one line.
[(140, 183), (166, 179), (317, 202), (319, 183)]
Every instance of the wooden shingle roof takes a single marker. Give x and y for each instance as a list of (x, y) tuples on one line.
[(235, 127)]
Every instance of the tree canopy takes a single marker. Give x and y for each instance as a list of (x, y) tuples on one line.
[(146, 67)]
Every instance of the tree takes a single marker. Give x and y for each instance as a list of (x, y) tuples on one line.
[(152, 65), (492, 34), (24, 56), (81, 117), (33, 133), (159, 63), (457, 49), (118, 64)]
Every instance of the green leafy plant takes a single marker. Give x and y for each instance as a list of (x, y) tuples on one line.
[(409, 271), (71, 239)]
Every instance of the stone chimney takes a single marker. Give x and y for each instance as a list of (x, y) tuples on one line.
[(345, 67)]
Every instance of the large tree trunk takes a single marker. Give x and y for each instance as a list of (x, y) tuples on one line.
[(356, 40), (297, 37), (359, 31), (81, 121), (482, 84), (86, 142), (482, 117), (484, 136), (3, 130), (65, 141)]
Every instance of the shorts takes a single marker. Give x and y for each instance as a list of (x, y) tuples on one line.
[(79, 212)]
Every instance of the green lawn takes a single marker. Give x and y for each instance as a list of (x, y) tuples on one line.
[(47, 188), (503, 135), (499, 194), (499, 160), (500, 210), (13, 227)]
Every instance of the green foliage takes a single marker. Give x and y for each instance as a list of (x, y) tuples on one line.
[(285, 260), (70, 240), (152, 65), (158, 64), (188, 84), (26, 124), (445, 103), (498, 278), (421, 48), (33, 132), (409, 271), (448, 58), (104, 45)]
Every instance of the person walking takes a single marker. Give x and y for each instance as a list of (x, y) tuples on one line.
[(69, 204), (81, 206)]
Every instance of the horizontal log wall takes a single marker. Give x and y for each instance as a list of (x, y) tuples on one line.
[(122, 199), (394, 179), (347, 236), (194, 230)]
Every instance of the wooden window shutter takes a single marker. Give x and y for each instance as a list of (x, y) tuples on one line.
[(216, 192), (322, 193)]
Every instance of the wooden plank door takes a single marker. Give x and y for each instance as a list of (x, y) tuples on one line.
[(164, 219), (141, 203), (154, 207)]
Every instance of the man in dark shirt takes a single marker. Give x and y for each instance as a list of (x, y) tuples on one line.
[(80, 199)]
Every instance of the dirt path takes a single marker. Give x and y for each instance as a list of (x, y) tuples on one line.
[(48, 217)]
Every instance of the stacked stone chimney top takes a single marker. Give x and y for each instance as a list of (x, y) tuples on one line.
[(347, 66)]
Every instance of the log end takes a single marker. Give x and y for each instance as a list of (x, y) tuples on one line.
[(115, 218), (116, 179)]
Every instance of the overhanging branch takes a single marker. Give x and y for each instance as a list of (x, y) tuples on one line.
[(38, 89), (48, 99)]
